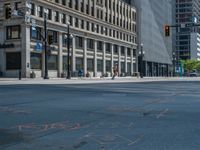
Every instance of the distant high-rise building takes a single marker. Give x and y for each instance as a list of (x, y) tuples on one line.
[(185, 12), (152, 16)]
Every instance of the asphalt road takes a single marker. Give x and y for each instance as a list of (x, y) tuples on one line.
[(123, 116)]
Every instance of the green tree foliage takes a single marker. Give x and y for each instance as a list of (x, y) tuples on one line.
[(190, 65), (197, 66)]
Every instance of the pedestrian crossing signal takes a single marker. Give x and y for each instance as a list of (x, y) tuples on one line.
[(167, 30)]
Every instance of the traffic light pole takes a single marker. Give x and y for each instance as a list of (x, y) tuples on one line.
[(45, 47), (68, 52)]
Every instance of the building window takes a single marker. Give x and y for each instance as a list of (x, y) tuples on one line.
[(115, 49), (87, 9), (122, 67), (57, 16), (13, 32), (99, 65), (36, 61), (13, 61), (79, 42), (108, 66), (122, 50), (76, 4), (90, 44), (65, 63), (88, 25), (110, 32), (76, 22), (82, 7), (49, 14), (36, 33), (82, 24), (40, 11), (97, 28), (32, 9), (79, 63), (64, 2), (129, 52), (71, 20), (53, 62), (99, 45), (54, 34), (90, 64), (70, 3), (64, 18), (108, 47)]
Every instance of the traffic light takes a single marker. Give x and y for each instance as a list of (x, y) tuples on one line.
[(8, 12), (167, 30), (50, 39)]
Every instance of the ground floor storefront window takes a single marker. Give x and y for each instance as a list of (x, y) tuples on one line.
[(128, 69), (13, 60), (108, 66), (90, 64), (122, 67), (65, 62), (36, 61), (79, 63), (100, 65), (53, 62)]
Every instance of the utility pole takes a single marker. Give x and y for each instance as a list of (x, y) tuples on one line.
[(45, 46), (68, 52)]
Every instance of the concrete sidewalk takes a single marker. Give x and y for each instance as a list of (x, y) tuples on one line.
[(10, 81)]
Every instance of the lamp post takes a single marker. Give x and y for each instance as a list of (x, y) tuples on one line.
[(68, 51), (141, 53), (174, 63), (45, 45)]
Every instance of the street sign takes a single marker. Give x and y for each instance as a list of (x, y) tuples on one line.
[(182, 25), (38, 47), (189, 24)]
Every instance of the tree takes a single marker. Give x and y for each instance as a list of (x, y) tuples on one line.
[(190, 65), (197, 66)]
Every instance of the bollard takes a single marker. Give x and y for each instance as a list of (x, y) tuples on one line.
[(20, 74)]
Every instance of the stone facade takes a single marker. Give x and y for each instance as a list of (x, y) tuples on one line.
[(104, 35)]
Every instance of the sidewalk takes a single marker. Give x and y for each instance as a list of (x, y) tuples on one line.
[(10, 81)]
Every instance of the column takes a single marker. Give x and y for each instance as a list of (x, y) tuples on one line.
[(111, 11), (104, 58), (2, 52), (60, 55), (89, 4), (112, 53), (95, 58), (73, 52), (95, 8), (132, 62), (25, 51), (84, 5), (119, 60), (126, 70), (85, 56)]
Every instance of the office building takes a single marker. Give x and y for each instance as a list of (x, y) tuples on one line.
[(185, 12), (152, 16), (104, 35)]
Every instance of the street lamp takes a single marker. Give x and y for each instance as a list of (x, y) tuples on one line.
[(174, 63), (68, 50), (141, 53), (45, 45)]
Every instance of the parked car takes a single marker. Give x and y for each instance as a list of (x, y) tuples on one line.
[(194, 74)]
